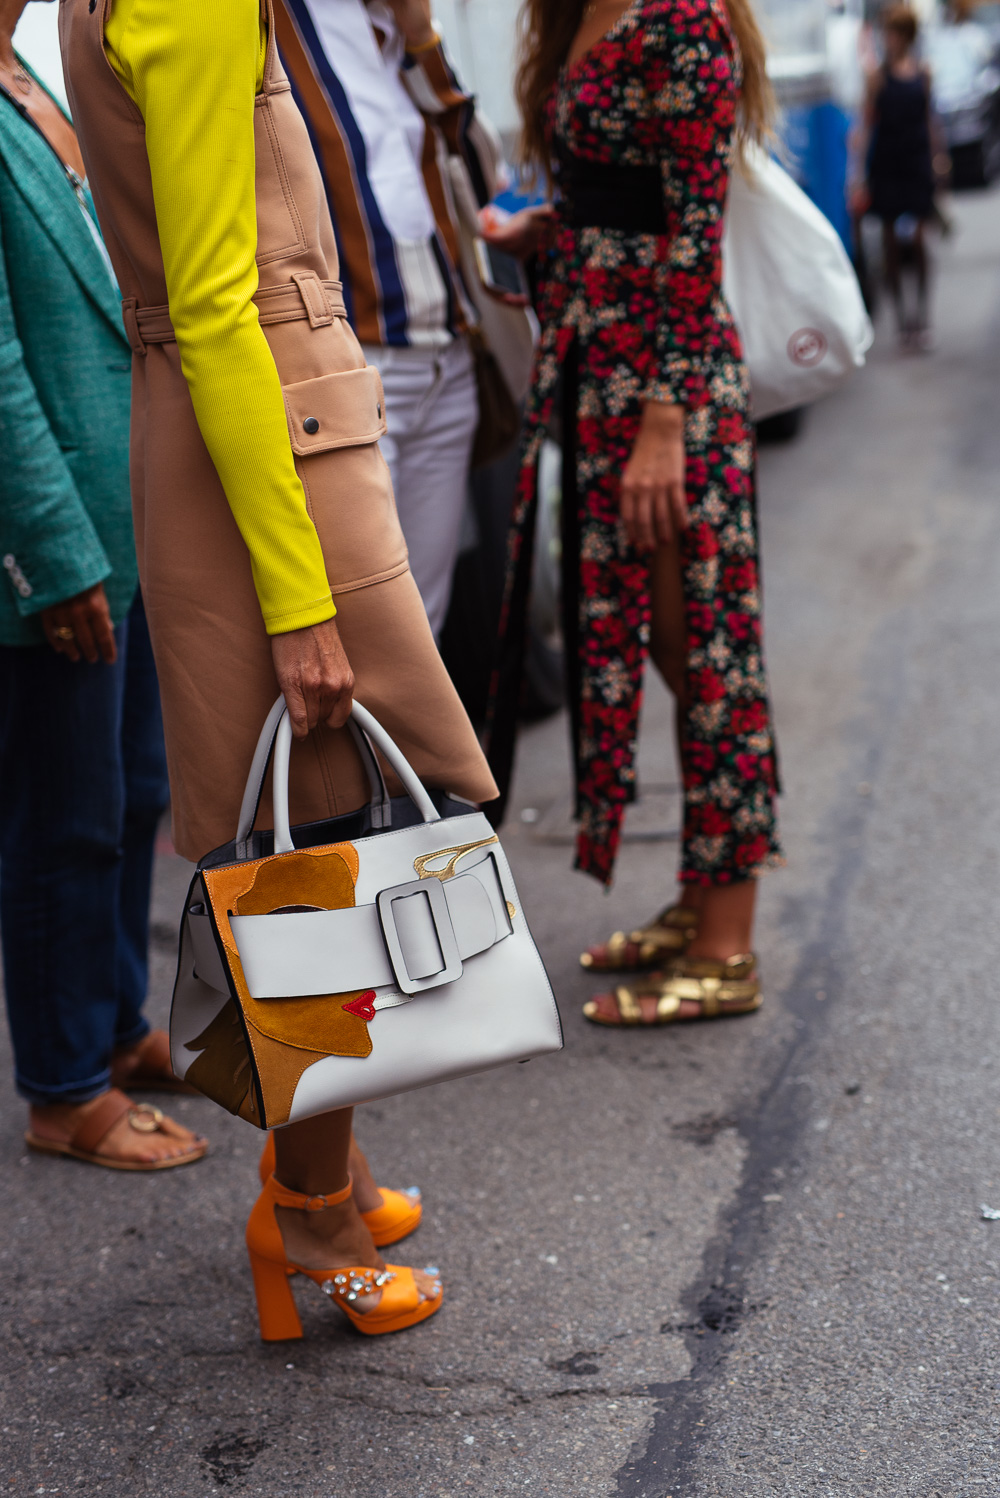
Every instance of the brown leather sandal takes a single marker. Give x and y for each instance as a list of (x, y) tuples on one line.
[(720, 988), (147, 1066), (99, 1122), (666, 937)]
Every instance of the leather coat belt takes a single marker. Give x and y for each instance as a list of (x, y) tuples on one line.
[(304, 296)]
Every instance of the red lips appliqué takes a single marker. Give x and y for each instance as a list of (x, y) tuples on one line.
[(363, 1006)]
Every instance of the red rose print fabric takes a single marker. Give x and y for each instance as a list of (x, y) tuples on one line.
[(644, 318)]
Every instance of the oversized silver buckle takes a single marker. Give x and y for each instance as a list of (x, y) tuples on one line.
[(433, 891)]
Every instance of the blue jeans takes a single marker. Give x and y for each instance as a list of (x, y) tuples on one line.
[(83, 784)]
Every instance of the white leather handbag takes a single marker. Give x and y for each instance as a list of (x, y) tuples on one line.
[(360, 957), (791, 288)]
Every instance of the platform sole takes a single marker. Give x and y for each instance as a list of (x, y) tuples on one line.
[(394, 1323)]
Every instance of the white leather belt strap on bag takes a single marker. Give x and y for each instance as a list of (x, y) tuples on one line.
[(416, 936)]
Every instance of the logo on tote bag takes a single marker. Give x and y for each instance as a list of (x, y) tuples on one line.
[(807, 347)]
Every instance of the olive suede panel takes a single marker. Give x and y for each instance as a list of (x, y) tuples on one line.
[(224, 1070)]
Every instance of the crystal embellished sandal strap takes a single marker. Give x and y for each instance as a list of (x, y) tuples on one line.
[(350, 1284), (283, 1197)]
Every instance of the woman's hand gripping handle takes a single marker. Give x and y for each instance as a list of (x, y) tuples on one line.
[(315, 676)]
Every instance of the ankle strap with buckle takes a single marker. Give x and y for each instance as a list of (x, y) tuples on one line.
[(283, 1197)]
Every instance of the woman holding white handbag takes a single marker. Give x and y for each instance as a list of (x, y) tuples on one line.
[(269, 546), (636, 106)]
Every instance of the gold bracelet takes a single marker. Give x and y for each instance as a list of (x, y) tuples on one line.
[(435, 41)]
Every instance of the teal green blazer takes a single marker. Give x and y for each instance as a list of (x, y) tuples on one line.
[(65, 513)]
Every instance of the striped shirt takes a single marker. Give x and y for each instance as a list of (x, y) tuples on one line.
[(384, 125)]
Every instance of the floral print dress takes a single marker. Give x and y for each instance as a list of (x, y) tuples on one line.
[(632, 317)]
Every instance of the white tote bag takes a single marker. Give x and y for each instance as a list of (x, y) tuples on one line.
[(372, 953), (791, 289)]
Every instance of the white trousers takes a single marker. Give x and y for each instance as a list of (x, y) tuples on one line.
[(432, 411)]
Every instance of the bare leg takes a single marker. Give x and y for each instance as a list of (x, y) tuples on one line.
[(366, 1192), (890, 253), (668, 629), (725, 926), (921, 262), (668, 651), (726, 910), (312, 1157)]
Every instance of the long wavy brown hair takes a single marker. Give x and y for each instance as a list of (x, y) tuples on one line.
[(546, 30)]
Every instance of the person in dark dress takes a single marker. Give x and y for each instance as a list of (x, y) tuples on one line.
[(899, 165)]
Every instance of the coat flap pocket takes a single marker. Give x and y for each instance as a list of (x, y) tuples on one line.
[(335, 410)]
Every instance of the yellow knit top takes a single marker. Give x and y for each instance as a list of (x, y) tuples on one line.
[(193, 70)]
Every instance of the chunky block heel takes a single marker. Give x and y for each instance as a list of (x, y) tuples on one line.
[(400, 1303), (276, 1310)]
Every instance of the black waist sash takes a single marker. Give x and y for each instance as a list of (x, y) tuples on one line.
[(605, 195)]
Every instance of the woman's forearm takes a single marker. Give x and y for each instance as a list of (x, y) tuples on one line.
[(193, 71)]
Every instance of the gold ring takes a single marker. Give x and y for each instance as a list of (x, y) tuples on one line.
[(64, 632)]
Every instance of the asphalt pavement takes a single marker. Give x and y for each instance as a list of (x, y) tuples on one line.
[(739, 1258)]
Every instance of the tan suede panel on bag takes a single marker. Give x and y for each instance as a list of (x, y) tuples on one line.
[(287, 1035)]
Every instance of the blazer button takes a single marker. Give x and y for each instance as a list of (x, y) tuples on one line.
[(378, 410), (310, 425), (9, 562)]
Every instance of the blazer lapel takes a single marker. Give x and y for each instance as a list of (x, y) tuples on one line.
[(41, 181)]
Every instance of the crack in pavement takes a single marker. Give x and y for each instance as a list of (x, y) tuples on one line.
[(773, 1130)]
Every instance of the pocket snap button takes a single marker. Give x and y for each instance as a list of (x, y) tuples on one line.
[(310, 425)]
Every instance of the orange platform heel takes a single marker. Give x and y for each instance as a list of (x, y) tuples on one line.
[(397, 1217), (399, 1306)]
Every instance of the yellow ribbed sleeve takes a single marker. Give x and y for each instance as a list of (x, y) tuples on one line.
[(193, 69)]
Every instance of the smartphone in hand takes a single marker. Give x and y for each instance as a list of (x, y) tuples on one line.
[(499, 272)]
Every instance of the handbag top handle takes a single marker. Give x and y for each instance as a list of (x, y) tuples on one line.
[(380, 806), (276, 737)]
